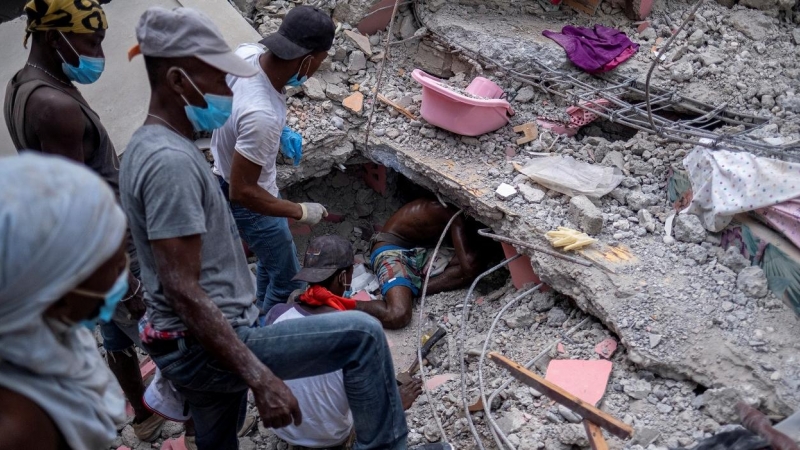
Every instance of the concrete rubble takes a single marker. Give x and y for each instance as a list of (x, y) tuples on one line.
[(698, 328)]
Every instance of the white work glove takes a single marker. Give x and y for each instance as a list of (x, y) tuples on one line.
[(312, 213)]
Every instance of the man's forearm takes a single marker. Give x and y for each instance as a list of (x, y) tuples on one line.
[(208, 325), (260, 201)]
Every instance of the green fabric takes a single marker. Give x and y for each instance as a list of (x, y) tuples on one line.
[(783, 275), (678, 184), (782, 272)]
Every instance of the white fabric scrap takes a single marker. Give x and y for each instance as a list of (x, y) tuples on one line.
[(725, 183)]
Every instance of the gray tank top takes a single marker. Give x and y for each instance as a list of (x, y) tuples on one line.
[(102, 160)]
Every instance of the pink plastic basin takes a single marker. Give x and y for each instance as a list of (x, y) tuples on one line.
[(458, 113)]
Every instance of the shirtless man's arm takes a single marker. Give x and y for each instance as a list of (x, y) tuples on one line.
[(57, 122), (463, 268)]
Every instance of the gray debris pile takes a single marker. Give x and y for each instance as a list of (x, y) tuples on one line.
[(687, 312)]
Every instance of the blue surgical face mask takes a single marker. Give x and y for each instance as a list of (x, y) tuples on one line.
[(110, 300), (296, 80), (89, 69), (214, 115)]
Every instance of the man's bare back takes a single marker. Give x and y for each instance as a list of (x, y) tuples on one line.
[(420, 221)]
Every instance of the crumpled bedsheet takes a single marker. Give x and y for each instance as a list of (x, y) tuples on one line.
[(725, 183)]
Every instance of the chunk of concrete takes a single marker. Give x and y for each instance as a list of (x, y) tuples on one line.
[(407, 27), (638, 200), (435, 61), (361, 41), (688, 228), (505, 191), (357, 62), (314, 88), (336, 92), (752, 24), (531, 193), (753, 282), (525, 95), (512, 421), (646, 220), (585, 215), (734, 260)]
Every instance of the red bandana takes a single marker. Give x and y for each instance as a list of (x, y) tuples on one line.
[(319, 296)]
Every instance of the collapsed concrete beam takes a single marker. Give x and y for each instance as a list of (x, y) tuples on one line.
[(641, 300)]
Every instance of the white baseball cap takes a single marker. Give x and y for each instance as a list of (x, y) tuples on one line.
[(187, 32)]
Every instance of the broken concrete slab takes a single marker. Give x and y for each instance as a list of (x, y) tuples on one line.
[(361, 41), (690, 348)]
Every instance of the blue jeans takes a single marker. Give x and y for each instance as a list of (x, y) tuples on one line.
[(351, 341), (271, 241)]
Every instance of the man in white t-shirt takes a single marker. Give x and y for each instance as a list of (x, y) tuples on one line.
[(246, 147), (327, 421)]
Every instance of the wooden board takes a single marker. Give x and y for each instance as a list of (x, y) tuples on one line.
[(587, 411)]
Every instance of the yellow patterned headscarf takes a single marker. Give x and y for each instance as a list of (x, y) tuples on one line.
[(76, 16)]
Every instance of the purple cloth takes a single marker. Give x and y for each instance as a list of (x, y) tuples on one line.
[(590, 49)]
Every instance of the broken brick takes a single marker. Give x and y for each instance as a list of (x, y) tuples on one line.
[(606, 348), (354, 103), (586, 380), (521, 268)]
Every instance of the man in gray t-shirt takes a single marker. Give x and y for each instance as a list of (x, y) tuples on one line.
[(201, 332), (169, 191)]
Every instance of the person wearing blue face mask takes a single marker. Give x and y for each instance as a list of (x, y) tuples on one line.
[(45, 112), (202, 322), (246, 148), (63, 264)]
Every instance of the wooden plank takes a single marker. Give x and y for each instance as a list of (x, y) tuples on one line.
[(399, 108), (595, 435), (589, 412), (529, 130), (586, 6)]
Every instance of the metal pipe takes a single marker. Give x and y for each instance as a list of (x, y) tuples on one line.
[(419, 325), (487, 407), (464, 312)]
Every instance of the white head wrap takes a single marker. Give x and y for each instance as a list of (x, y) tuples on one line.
[(58, 223)]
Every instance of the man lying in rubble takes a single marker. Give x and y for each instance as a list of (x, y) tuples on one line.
[(327, 421), (401, 253)]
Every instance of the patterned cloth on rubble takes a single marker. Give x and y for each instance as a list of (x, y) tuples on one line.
[(397, 266)]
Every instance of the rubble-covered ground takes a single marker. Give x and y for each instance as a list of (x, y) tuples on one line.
[(697, 328)]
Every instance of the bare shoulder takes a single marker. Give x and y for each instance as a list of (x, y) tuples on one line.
[(47, 103), (23, 424)]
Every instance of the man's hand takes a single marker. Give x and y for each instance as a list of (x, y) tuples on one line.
[(276, 404), (135, 298), (312, 213)]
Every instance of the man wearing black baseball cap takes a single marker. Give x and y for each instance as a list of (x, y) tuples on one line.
[(246, 148), (201, 326), (327, 421)]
